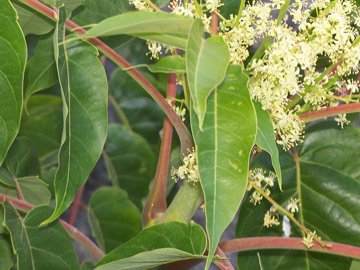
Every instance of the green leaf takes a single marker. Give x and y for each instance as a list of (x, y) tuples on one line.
[(95, 11), (294, 260), (22, 160), (143, 114), (22, 173), (6, 178), (115, 215), (167, 64), (6, 257), (12, 67), (49, 2), (265, 139), (34, 190), (2, 229), (70, 5), (230, 7), (43, 124), (6, 190), (39, 248), (132, 159), (162, 27), (157, 245), (206, 63), (32, 22), (84, 92), (87, 266), (41, 70), (223, 149), (355, 265), (328, 167), (150, 259)]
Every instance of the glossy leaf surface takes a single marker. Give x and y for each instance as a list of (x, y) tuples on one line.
[(21, 174), (6, 257), (113, 217), (223, 149), (168, 64), (132, 160), (39, 248), (94, 11), (157, 245), (41, 69), (34, 190), (32, 23), (43, 124), (84, 92), (13, 53), (142, 113), (327, 185), (22, 159), (206, 63), (166, 28), (265, 139)]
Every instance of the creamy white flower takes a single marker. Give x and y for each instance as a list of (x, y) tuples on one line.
[(341, 120), (154, 49), (140, 5), (293, 205), (308, 239), (213, 5), (189, 171), (271, 218), (177, 7)]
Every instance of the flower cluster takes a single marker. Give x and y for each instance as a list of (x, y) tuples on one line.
[(188, 171), (306, 58), (258, 177), (271, 218), (140, 5), (308, 239), (179, 110), (213, 5), (155, 49), (293, 205), (288, 68)]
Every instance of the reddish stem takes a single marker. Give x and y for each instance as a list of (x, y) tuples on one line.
[(214, 23), (75, 206), (78, 236), (43, 9), (223, 264), (331, 111), (261, 243), (184, 134), (156, 202)]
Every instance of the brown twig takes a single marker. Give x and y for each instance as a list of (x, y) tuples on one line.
[(331, 111), (214, 23), (75, 206), (223, 263)]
